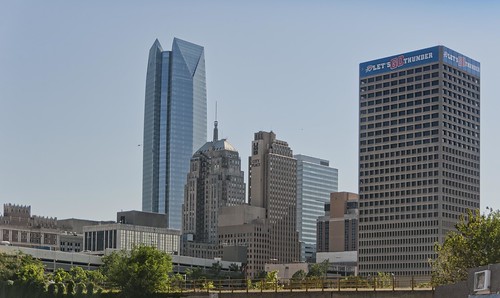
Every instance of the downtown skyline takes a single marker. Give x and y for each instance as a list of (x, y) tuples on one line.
[(72, 123)]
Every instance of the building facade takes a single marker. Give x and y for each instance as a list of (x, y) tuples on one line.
[(272, 185), (244, 236), (175, 125), (118, 236), (315, 181), (215, 180), (419, 153), (19, 228), (337, 230), (132, 228)]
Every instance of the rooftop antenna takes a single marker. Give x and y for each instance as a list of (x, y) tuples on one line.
[(216, 131)]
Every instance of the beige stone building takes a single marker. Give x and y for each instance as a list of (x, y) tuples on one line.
[(267, 229), (19, 228), (337, 231), (215, 180)]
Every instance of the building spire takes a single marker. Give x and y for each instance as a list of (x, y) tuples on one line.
[(216, 131)]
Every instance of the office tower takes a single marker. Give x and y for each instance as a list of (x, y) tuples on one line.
[(265, 230), (175, 125), (272, 185), (337, 230), (215, 180), (418, 155), (315, 181)]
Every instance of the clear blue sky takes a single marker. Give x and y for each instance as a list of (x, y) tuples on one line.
[(72, 76)]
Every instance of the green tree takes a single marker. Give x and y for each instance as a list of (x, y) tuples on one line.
[(12, 264), (78, 274), (318, 269), (271, 280), (299, 275), (195, 273), (32, 273), (383, 280), (140, 273), (215, 270), (60, 275), (176, 283), (95, 277), (112, 262), (298, 279), (475, 243)]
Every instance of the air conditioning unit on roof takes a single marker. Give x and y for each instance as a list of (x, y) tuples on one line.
[(482, 280)]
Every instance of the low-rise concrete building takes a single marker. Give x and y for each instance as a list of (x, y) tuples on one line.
[(124, 236)]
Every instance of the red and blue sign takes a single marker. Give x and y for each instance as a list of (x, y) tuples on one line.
[(416, 58), (461, 62), (406, 60)]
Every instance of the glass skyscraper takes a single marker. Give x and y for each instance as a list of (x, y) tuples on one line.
[(315, 181), (175, 125)]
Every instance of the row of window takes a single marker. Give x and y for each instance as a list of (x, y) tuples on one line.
[(459, 177), (460, 193), (402, 81), (461, 114), (395, 138), (462, 90), (399, 209), (460, 130), (420, 241), (473, 148), (417, 167), (401, 89), (459, 201), (399, 217), (400, 73), (395, 121), (459, 81), (461, 153), (398, 161), (401, 186), (399, 113), (461, 185), (458, 209), (403, 96), (401, 225), (399, 145), (412, 176), (462, 74), (399, 153), (399, 105), (397, 257)]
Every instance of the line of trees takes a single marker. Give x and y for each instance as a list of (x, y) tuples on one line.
[(142, 272), (23, 276), (139, 273)]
